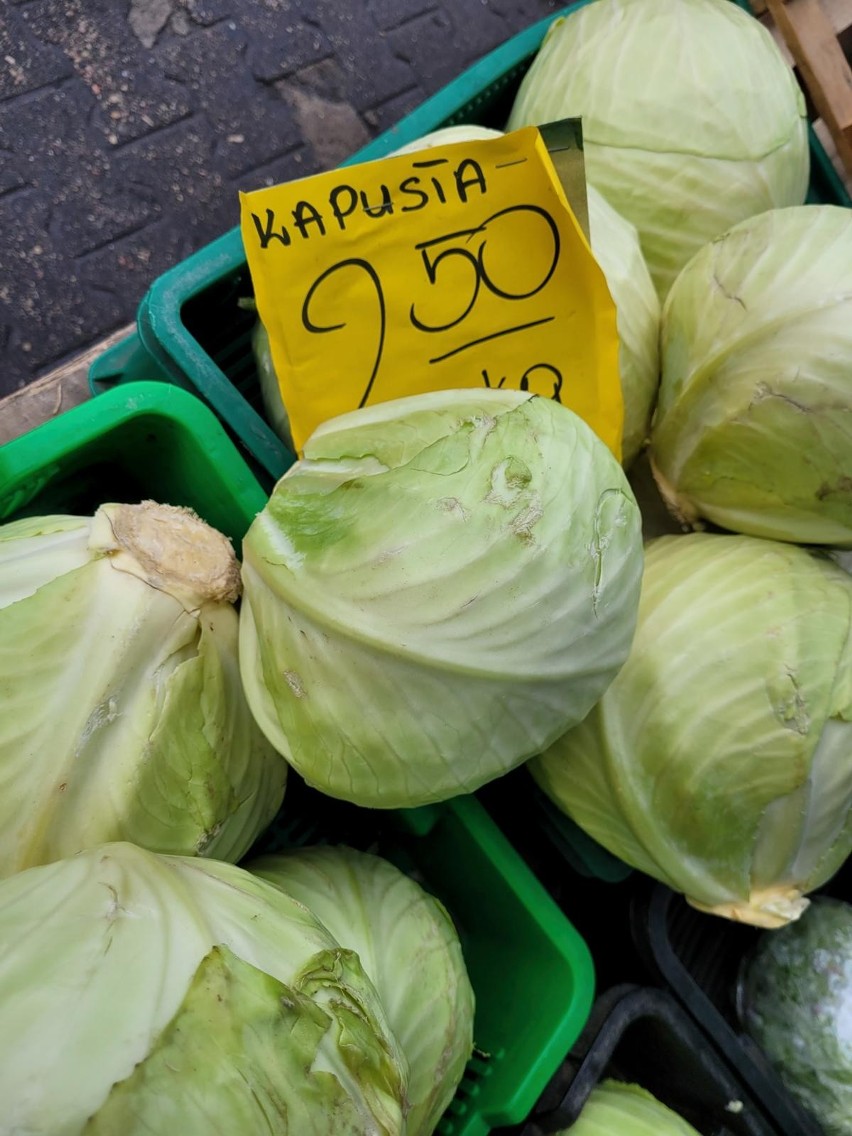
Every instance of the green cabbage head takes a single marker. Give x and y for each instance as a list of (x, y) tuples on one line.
[(616, 1108), (616, 247), (409, 949), (123, 713), (720, 758), (267, 377), (439, 588), (692, 120), (142, 993), (754, 424)]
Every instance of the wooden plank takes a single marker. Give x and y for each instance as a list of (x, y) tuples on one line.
[(64, 387), (824, 69), (839, 12)]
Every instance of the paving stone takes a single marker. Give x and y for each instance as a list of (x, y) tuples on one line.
[(25, 63), (389, 14), (126, 268), (297, 163), (386, 114), (47, 147), (283, 37), (250, 122), (128, 128), (89, 203), (472, 27), (173, 169), (332, 128), (374, 70), (209, 11), (133, 97), (13, 173), (46, 322)]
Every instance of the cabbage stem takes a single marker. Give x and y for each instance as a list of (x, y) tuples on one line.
[(170, 548), (770, 908)]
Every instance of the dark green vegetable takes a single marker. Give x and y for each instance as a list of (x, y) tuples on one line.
[(796, 998)]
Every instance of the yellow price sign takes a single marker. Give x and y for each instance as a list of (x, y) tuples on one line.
[(457, 266)]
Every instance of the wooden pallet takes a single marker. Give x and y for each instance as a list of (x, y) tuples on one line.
[(817, 38)]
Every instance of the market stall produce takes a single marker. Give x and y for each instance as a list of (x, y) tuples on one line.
[(409, 949), (629, 1110), (148, 993), (692, 121), (438, 594), (436, 590), (123, 715), (720, 758), (753, 428), (796, 1000)]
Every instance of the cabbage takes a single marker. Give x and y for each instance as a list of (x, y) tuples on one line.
[(442, 586), (123, 713), (446, 135), (155, 994), (615, 1108), (754, 424), (409, 949), (720, 759), (270, 391), (796, 1003), (615, 244), (692, 120)]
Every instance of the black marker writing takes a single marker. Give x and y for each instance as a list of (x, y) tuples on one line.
[(311, 325), (491, 335), (543, 375), (308, 218), (499, 229)]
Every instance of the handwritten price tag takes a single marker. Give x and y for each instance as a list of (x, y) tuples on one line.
[(458, 266)]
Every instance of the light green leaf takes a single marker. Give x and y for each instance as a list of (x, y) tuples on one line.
[(692, 120), (438, 590), (124, 716), (409, 949), (720, 758), (100, 971)]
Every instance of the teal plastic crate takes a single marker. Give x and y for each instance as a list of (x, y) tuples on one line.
[(191, 328), (531, 970)]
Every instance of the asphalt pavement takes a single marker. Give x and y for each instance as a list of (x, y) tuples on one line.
[(128, 128)]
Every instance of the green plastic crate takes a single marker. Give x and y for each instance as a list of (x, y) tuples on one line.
[(531, 971), (189, 325), (145, 441)]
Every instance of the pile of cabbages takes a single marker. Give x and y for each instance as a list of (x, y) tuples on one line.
[(441, 589)]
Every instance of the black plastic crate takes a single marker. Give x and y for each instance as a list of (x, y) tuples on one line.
[(699, 958), (642, 1035)]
